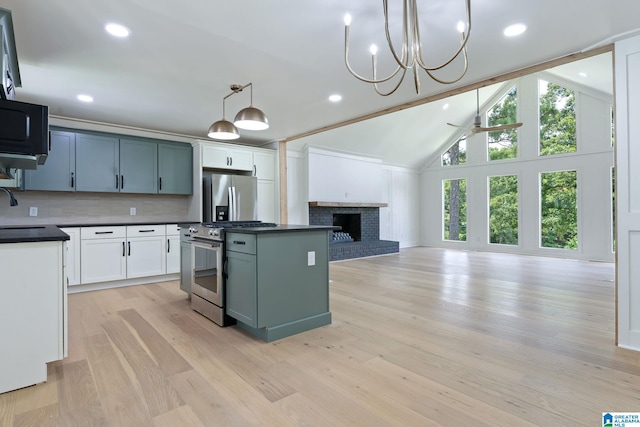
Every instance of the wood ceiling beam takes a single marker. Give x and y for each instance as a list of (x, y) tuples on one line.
[(472, 86)]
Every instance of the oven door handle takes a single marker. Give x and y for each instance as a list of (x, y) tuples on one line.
[(206, 245)]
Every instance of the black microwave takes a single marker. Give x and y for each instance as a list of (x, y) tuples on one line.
[(24, 128)]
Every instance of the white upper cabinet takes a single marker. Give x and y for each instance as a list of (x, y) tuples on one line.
[(224, 156), (264, 164)]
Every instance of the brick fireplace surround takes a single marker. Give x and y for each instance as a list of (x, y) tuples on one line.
[(322, 213)]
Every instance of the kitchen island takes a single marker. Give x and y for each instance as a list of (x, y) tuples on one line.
[(33, 303), (278, 279)]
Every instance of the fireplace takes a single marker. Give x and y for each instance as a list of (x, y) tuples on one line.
[(360, 229), (349, 224)]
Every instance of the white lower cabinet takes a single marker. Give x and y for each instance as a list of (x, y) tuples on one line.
[(103, 255), (173, 248), (108, 254), (33, 312), (146, 251)]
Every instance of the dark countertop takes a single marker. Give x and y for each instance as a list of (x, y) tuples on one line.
[(124, 224), (19, 233), (281, 228), (31, 233)]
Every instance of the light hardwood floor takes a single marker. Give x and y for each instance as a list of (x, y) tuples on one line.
[(425, 337)]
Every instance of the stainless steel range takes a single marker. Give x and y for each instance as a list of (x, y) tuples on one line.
[(206, 260)]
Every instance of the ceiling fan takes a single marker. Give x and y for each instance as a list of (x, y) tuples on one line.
[(477, 122)]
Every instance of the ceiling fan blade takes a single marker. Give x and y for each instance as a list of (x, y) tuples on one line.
[(455, 126), (497, 128)]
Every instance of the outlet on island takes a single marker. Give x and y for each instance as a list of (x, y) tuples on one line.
[(33, 211), (132, 211)]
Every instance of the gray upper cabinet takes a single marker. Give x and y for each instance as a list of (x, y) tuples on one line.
[(138, 166), (97, 163), (87, 161), (175, 168), (58, 172)]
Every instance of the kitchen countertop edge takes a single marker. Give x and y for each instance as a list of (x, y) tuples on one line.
[(30, 234), (282, 228)]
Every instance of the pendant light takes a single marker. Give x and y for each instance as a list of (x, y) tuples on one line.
[(223, 129), (249, 118)]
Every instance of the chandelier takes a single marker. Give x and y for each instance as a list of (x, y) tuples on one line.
[(411, 55)]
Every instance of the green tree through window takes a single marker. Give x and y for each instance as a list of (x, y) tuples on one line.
[(558, 210), (503, 209), (557, 119), (503, 144), (455, 209), (456, 154)]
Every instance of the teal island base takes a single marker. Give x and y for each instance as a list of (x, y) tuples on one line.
[(284, 330), (278, 279)]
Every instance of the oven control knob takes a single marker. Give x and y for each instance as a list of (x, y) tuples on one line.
[(214, 233), (193, 229)]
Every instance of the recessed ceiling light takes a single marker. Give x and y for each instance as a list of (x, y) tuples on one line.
[(335, 98), (85, 98), (515, 30), (117, 30), (582, 74), (445, 106)]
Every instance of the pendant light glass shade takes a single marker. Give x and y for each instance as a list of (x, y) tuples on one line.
[(251, 118), (223, 129)]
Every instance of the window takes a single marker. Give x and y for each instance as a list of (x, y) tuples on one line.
[(457, 154), (557, 119), (455, 209), (613, 209), (503, 209), (613, 127), (503, 144), (558, 210)]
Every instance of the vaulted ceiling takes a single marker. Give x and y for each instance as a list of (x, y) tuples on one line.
[(172, 73)]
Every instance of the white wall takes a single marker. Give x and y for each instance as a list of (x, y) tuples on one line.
[(338, 177), (593, 162), (401, 220), (321, 175)]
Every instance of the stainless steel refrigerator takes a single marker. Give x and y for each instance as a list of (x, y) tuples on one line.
[(229, 197)]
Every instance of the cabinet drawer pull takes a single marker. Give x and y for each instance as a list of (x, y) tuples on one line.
[(121, 182), (123, 250), (72, 180), (104, 232), (128, 248), (168, 246), (146, 231), (239, 242)]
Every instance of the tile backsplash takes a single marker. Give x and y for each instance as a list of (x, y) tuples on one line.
[(62, 208)]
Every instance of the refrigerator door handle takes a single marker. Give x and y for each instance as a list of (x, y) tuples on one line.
[(236, 214), (232, 205)]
